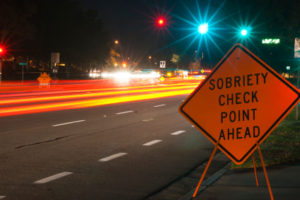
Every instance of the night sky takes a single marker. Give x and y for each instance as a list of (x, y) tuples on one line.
[(132, 22)]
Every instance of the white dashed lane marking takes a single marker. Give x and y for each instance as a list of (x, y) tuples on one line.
[(53, 177), (112, 157), (153, 142), (178, 132), (124, 112), (67, 123), (160, 105), (147, 120)]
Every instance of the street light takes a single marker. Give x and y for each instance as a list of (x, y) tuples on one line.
[(203, 28), (116, 41), (288, 68)]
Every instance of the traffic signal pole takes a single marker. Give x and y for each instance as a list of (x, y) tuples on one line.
[(0, 69), (298, 86), (2, 51)]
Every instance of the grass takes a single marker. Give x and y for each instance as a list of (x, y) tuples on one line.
[(282, 146)]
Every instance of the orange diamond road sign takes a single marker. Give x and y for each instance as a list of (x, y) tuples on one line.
[(240, 103)]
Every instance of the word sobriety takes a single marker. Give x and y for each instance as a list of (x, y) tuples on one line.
[(237, 98)]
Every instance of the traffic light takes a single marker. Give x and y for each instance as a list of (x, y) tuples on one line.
[(203, 28), (244, 32), (2, 50), (161, 22)]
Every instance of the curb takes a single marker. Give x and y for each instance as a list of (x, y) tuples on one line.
[(182, 188), (207, 182)]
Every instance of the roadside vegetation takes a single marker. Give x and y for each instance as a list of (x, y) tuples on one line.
[(281, 147)]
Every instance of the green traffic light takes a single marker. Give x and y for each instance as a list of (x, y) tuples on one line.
[(203, 28), (244, 32)]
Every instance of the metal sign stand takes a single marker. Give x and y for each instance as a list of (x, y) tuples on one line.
[(205, 170), (265, 172), (254, 167)]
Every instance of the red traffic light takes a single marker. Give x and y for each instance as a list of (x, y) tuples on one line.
[(161, 22), (2, 50)]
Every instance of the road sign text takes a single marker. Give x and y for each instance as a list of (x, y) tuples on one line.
[(240, 103), (238, 81)]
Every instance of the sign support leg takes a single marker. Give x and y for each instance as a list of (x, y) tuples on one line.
[(254, 167), (205, 170), (265, 172)]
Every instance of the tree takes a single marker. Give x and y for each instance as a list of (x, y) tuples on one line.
[(62, 26)]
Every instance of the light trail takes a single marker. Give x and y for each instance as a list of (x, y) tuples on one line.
[(55, 91), (98, 94), (83, 94), (87, 103)]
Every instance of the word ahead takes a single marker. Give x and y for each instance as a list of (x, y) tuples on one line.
[(240, 103)]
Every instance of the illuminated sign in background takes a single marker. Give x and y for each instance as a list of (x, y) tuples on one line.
[(297, 48), (270, 41)]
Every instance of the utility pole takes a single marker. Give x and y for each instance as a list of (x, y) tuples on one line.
[(298, 85)]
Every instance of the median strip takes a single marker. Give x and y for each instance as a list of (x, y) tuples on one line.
[(112, 157), (67, 123), (178, 132), (153, 142), (53, 177)]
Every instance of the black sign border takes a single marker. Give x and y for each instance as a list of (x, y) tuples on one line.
[(268, 68)]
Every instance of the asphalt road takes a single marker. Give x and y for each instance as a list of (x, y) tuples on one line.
[(121, 151)]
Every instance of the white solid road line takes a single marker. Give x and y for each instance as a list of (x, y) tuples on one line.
[(114, 156), (160, 105), (2, 197), (178, 132), (124, 112), (53, 177), (152, 142), (66, 123)]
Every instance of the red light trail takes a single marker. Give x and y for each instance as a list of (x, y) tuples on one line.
[(17, 100)]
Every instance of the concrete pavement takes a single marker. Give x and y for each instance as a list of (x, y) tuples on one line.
[(223, 183), (236, 185)]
